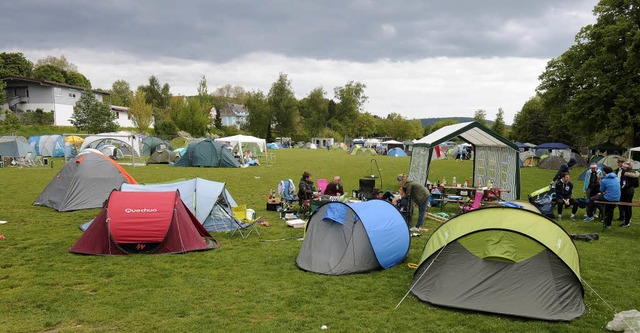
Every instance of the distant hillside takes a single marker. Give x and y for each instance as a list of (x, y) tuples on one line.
[(430, 121)]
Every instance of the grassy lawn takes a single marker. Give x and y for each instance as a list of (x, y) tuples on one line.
[(253, 286)]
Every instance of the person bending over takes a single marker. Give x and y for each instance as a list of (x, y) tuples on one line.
[(418, 194)]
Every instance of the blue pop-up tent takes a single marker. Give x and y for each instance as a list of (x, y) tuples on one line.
[(351, 238), (398, 152)]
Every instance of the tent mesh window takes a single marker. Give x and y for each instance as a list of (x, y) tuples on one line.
[(419, 168)]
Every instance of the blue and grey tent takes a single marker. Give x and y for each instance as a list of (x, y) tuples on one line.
[(354, 238), (398, 152), (208, 200)]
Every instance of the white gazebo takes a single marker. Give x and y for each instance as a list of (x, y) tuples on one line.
[(495, 157)]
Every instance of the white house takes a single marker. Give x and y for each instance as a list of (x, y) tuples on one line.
[(232, 114), (27, 95)]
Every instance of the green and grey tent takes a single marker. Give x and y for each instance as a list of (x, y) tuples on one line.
[(207, 153), (502, 260)]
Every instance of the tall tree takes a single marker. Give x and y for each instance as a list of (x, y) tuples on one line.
[(481, 117), (531, 124), (141, 112), (258, 121), (76, 79), (190, 116), (499, 126), (121, 93), (314, 110), (14, 63), (352, 99), (92, 115), (157, 95), (60, 62), (50, 73), (593, 86), (283, 106)]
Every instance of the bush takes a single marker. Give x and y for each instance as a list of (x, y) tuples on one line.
[(38, 117)]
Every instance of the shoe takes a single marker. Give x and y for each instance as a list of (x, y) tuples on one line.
[(572, 217), (588, 219), (414, 229), (423, 229), (626, 225), (621, 224), (596, 216), (559, 217)]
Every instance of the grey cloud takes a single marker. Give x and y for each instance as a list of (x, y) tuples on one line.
[(361, 30)]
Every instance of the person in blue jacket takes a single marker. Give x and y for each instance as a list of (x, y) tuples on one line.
[(609, 191)]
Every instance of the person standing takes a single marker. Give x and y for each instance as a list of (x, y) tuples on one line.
[(416, 193), (609, 191), (564, 192), (592, 182), (564, 168), (619, 171), (628, 184)]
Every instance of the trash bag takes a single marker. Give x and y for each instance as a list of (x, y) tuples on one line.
[(544, 203), (627, 321), (582, 202), (585, 237)]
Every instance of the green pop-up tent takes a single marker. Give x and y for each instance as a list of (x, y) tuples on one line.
[(207, 153), (502, 260)]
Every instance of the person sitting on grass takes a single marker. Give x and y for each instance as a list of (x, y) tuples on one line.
[(564, 192), (609, 191)]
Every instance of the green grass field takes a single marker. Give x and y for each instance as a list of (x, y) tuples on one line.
[(253, 286)]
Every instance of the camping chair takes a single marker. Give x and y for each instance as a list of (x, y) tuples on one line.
[(322, 184), (287, 192), (475, 204), (245, 220)]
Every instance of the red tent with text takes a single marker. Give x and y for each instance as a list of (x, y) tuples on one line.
[(144, 222)]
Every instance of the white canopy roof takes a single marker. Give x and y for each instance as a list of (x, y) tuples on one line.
[(391, 142), (234, 140), (471, 132)]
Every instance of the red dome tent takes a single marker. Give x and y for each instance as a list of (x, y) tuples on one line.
[(144, 222)]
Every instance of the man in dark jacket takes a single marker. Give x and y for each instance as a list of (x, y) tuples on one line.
[(564, 192), (564, 168), (628, 184), (418, 194)]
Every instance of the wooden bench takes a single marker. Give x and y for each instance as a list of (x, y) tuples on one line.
[(632, 204)]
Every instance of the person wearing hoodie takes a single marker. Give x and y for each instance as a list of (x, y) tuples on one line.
[(564, 168), (609, 191), (628, 184)]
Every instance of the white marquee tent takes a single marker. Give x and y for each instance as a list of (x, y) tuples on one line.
[(233, 141)]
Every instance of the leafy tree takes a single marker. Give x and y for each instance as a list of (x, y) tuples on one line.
[(258, 121), (92, 115), (3, 92), (363, 125), (157, 95), (141, 112), (499, 126), (593, 86), (50, 73), (190, 116), (352, 99), (14, 63), (531, 124), (282, 106), (314, 110), (165, 128), (11, 122), (76, 79), (481, 117), (121, 93), (61, 63)]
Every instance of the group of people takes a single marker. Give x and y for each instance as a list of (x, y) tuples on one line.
[(409, 192), (606, 185)]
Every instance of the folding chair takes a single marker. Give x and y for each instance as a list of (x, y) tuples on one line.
[(244, 221), (475, 204), (322, 184), (287, 191)]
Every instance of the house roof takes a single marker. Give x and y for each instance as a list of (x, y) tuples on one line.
[(50, 83), (232, 109)]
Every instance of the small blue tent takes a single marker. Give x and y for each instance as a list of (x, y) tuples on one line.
[(354, 238), (208, 200), (34, 142), (398, 152)]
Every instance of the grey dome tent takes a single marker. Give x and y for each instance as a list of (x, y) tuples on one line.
[(207, 153), (354, 238), (163, 155), (84, 182), (502, 260)]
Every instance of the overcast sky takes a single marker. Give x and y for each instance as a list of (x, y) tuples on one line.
[(417, 58)]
